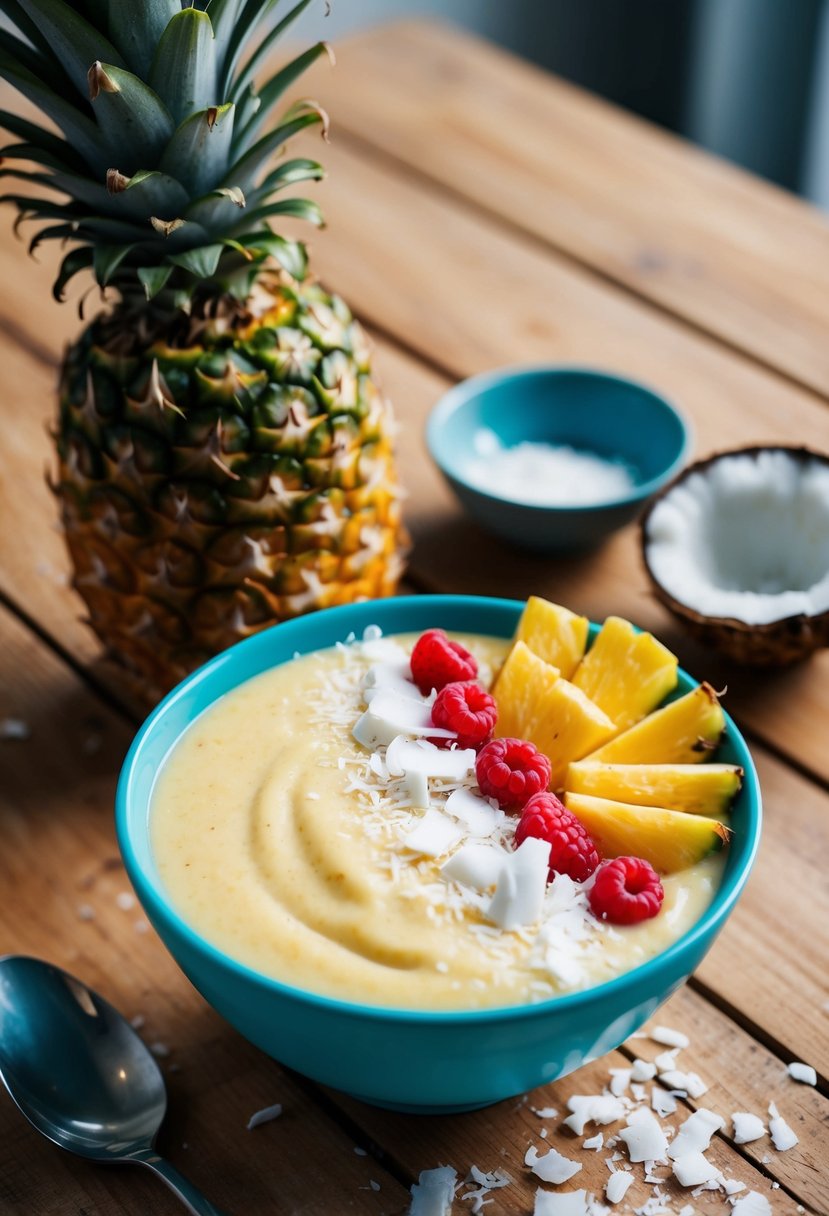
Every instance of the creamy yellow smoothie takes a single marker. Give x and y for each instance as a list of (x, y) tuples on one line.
[(285, 842)]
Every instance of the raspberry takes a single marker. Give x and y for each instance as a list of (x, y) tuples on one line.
[(626, 891), (511, 771), (468, 710), (573, 851), (437, 662)]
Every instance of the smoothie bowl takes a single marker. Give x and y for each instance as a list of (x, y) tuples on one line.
[(382, 896)]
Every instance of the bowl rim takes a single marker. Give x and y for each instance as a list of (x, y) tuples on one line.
[(132, 820), (465, 390)]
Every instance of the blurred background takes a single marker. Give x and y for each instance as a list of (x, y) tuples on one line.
[(748, 79)]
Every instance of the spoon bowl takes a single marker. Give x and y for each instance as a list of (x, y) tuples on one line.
[(80, 1074)]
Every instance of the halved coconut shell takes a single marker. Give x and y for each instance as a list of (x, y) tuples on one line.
[(737, 548)]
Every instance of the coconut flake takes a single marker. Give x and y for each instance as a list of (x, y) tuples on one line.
[(666, 1060), (643, 1136), (391, 714), (264, 1116), (685, 1082), (643, 1070), (433, 1192), (475, 865), (802, 1072), (572, 1203), (552, 1166), (521, 885), (477, 815), (782, 1136), (669, 1038), (450, 764), (620, 1080), (752, 1204), (695, 1133), (434, 834), (544, 1112), (747, 1127), (593, 1108), (14, 729), (595, 1142), (662, 1102), (693, 1169), (394, 676), (617, 1186)]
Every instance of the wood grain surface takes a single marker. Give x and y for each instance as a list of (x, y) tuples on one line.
[(462, 248)]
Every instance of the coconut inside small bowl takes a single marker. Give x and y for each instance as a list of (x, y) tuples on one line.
[(737, 547)]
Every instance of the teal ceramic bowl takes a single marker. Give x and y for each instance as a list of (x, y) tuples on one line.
[(592, 411), (414, 1061)]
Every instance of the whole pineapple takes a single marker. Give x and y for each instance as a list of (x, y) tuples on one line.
[(225, 458)]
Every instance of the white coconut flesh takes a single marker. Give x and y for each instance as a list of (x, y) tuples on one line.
[(746, 537)]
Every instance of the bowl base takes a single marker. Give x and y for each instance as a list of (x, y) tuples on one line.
[(408, 1108)]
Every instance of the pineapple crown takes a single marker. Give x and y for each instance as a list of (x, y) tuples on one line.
[(165, 142)]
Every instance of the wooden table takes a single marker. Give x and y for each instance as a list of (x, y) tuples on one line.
[(480, 213)]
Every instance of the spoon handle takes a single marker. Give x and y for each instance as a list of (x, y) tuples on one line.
[(184, 1190)]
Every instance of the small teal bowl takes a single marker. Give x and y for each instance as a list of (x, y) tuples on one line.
[(397, 1058), (592, 411)]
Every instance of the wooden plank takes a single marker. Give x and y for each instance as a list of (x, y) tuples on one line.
[(59, 864), (62, 861), (726, 251), (498, 1137)]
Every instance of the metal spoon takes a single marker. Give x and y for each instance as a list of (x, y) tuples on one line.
[(81, 1075)]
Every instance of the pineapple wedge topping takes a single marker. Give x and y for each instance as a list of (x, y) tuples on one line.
[(554, 633), (669, 840), (697, 789), (685, 732), (535, 703), (626, 673)]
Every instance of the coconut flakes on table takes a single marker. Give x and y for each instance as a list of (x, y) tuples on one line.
[(644, 1138), (747, 1127), (669, 1037), (666, 1060), (553, 1166), (484, 1183), (782, 1136), (572, 1203), (662, 1102), (752, 1204), (544, 1112), (804, 1073), (433, 1192), (695, 1133), (619, 1081), (642, 1070), (14, 729), (595, 1142), (693, 1169), (266, 1115), (593, 1108), (617, 1186), (689, 1083)]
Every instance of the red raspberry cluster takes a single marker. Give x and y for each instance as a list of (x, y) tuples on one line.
[(516, 775)]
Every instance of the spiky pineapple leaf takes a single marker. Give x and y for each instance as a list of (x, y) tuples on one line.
[(135, 122), (199, 149), (137, 35), (184, 73), (40, 137), (74, 262), (201, 262), (291, 255), (149, 192), (246, 170), (249, 15), (107, 259), (28, 28), (297, 208), (80, 131), (154, 278), (257, 59), (57, 232), (73, 40)]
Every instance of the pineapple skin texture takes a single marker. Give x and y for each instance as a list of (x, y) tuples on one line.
[(212, 487)]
